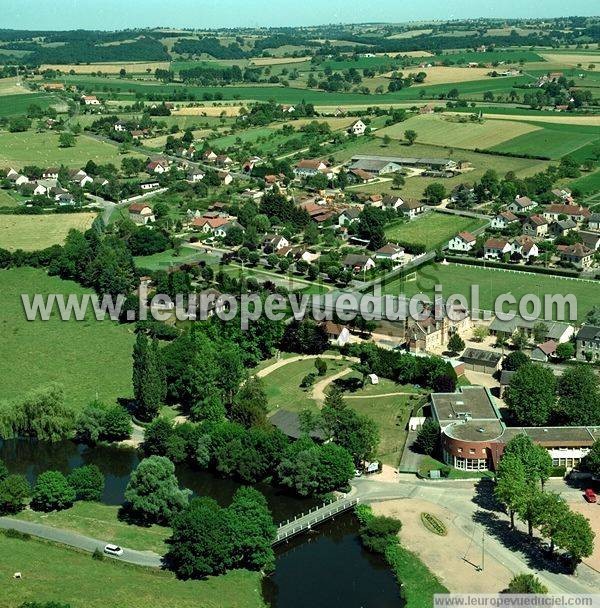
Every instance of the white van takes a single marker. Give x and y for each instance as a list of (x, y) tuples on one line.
[(113, 550)]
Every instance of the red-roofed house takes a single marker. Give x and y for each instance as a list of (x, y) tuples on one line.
[(141, 214), (578, 254), (535, 225), (209, 224), (573, 212), (494, 249)]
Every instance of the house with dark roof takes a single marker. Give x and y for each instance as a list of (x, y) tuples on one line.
[(578, 254), (503, 220), (357, 262), (392, 252), (495, 249), (587, 343), (594, 221), (348, 216), (522, 205)]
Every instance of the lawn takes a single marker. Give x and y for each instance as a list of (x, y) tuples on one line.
[(100, 521), (587, 184), (444, 130), (31, 148), (33, 232), (432, 229), (391, 415), (91, 359), (283, 385), (456, 279), (53, 573), (166, 259)]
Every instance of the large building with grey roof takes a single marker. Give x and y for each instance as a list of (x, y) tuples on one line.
[(473, 434)]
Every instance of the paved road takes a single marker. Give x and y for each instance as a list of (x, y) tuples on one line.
[(72, 539), (459, 497)]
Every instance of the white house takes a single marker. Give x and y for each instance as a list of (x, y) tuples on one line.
[(157, 166), (503, 220), (594, 221), (50, 173), (18, 179), (338, 334), (358, 128), (358, 263), (494, 249), (141, 214), (275, 242), (411, 208), (522, 204), (151, 184), (390, 252), (535, 225), (120, 126), (90, 100), (463, 241), (309, 168), (195, 175), (225, 177), (525, 247), (80, 177), (348, 216)]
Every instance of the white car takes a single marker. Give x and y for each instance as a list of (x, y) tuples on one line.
[(113, 550)]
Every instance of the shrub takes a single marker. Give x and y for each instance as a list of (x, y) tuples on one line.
[(379, 532)]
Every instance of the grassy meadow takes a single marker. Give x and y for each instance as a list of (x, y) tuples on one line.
[(54, 573), (34, 232), (89, 358), (31, 148)]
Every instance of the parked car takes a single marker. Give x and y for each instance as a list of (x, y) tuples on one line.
[(590, 495), (113, 550)]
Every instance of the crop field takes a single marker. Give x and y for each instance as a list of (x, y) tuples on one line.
[(33, 232), (550, 117), (456, 279), (11, 86), (587, 184), (262, 61), (62, 575), (440, 129), (507, 56), (443, 75), (572, 59), (131, 67), (30, 148), (13, 104), (432, 229), (207, 111), (97, 354), (553, 139)]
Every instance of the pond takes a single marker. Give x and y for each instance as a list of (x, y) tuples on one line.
[(327, 567)]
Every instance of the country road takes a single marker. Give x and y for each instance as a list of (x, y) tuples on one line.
[(72, 539)]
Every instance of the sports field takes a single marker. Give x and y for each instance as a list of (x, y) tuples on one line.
[(91, 359), (444, 130), (31, 148), (54, 573), (432, 229), (492, 282), (33, 232)]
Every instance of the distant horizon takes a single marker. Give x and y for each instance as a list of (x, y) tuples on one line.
[(114, 15)]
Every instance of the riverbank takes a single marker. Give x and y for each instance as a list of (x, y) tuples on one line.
[(57, 573)]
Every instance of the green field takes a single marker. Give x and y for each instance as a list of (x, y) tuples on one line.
[(53, 573), (444, 130), (508, 56), (100, 521), (89, 358), (587, 184), (552, 139), (31, 148), (456, 279), (7, 199), (18, 104), (127, 89), (432, 229)]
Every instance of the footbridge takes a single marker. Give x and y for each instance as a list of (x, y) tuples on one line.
[(317, 515)]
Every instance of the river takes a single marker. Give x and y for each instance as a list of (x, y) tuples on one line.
[(325, 568)]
